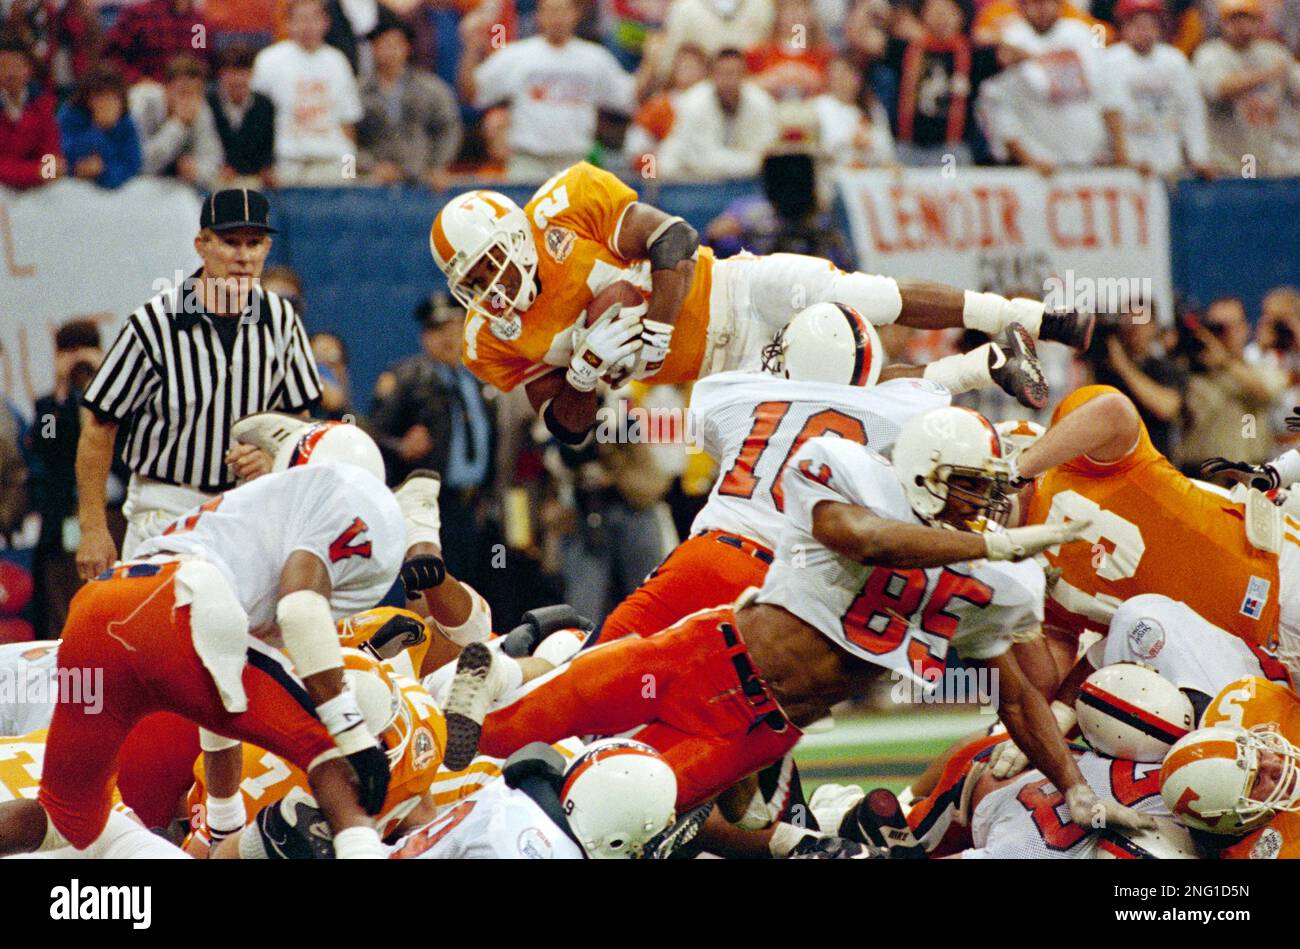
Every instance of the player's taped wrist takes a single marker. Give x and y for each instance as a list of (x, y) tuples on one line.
[(310, 637), (342, 718), (990, 313), (224, 815), (583, 374)]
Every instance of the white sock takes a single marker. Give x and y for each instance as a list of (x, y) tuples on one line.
[(962, 372), (53, 839), (991, 312), (359, 843)]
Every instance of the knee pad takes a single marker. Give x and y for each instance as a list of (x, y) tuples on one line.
[(877, 298)]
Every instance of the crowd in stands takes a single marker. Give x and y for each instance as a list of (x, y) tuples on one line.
[(334, 92)]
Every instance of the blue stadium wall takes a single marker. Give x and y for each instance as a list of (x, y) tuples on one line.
[(364, 258)]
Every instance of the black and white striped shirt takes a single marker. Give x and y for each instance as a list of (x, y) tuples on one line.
[(170, 379)]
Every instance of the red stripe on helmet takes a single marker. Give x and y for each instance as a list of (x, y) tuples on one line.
[(584, 763), (1173, 731)]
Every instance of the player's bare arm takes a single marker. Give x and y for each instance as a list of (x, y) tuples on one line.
[(669, 243), (854, 532), (1105, 429), (569, 413), (350, 787), (96, 552)]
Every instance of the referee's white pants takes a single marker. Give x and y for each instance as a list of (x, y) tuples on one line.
[(753, 297), (152, 505)]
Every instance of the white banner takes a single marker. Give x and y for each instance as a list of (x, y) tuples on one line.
[(75, 251), (1091, 239)]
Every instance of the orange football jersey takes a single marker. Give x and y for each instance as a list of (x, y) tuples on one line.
[(267, 778), (1251, 702), (1153, 531), (574, 218)]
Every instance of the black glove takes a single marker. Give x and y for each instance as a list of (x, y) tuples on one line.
[(371, 767), (1260, 477), (400, 632), (422, 573)]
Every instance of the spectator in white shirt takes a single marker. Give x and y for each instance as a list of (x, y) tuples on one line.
[(316, 101), (1156, 95), (1252, 87), (850, 135), (1045, 109), (724, 125), (554, 84)]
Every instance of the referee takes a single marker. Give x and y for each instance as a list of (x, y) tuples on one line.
[(187, 364)]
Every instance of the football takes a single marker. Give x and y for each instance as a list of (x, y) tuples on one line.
[(620, 293)]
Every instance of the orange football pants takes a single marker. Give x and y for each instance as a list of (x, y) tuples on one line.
[(156, 766), (703, 571), (690, 692), (128, 625)]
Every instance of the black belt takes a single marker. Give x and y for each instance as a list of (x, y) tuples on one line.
[(731, 540), (750, 683)]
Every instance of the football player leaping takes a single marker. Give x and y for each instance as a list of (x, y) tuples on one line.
[(527, 275), (878, 568)]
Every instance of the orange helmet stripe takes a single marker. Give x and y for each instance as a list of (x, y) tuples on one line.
[(439, 238), (1197, 751)]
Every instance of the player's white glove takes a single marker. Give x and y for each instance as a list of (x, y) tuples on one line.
[(1008, 760), (1090, 811), (656, 340), (604, 348), (1019, 543)]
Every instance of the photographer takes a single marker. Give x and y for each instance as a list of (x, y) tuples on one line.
[(1277, 343), (1229, 399), (1125, 354), (53, 442)]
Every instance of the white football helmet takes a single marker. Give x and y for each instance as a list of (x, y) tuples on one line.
[(1208, 778), (826, 342), (380, 700), (1017, 434), (486, 225), (618, 795), (1128, 710), (937, 446), (1168, 840), (292, 441)]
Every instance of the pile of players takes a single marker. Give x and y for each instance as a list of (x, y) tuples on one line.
[(235, 685)]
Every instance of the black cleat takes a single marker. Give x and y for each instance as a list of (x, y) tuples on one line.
[(1069, 327), (1014, 367), (814, 847), (467, 706), (878, 821)]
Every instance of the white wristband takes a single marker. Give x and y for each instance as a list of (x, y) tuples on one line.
[(341, 714), (225, 815)]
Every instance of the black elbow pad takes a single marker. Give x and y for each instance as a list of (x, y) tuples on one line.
[(675, 243)]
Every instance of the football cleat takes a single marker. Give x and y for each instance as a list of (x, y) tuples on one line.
[(1014, 367), (467, 704), (1069, 327), (813, 847)]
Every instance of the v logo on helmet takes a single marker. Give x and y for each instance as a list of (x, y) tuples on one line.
[(344, 547)]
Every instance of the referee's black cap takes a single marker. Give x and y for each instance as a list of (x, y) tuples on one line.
[(234, 208)]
